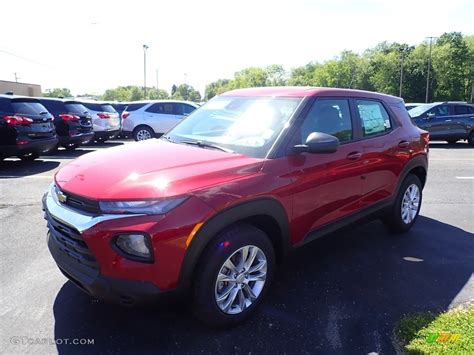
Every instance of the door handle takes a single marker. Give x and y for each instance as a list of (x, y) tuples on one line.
[(354, 155), (448, 120), (403, 144)]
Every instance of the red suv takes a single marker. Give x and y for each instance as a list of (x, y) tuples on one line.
[(214, 205)]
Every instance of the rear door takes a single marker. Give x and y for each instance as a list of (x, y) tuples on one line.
[(385, 149), (326, 187)]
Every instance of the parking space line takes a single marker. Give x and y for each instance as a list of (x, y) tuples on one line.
[(26, 177), (465, 177)]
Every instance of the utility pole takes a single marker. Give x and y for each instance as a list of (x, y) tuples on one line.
[(16, 77), (185, 75), (402, 57), (145, 47), (156, 73), (429, 70)]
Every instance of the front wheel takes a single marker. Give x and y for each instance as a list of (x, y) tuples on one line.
[(233, 276), (71, 147), (404, 212)]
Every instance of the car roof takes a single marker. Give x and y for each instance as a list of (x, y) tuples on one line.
[(307, 91), (10, 97), (163, 101)]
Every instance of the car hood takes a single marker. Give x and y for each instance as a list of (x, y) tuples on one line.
[(151, 169)]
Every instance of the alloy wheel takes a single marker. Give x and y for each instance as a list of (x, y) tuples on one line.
[(241, 279), (410, 203)]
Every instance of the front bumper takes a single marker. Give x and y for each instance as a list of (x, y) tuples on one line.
[(83, 247)]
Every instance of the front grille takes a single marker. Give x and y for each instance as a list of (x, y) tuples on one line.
[(82, 204), (70, 242)]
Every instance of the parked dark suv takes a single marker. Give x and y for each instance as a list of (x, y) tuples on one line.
[(447, 121), (215, 204), (26, 128), (72, 121)]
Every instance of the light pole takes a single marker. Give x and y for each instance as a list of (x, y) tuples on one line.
[(429, 70), (145, 47)]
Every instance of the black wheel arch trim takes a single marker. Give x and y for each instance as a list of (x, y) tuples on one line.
[(419, 161), (268, 207)]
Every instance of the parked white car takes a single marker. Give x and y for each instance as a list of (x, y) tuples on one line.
[(148, 119), (105, 120)]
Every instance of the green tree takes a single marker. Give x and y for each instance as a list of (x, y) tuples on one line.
[(186, 92), (58, 92)]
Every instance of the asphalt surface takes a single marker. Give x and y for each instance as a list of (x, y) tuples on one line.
[(340, 294)]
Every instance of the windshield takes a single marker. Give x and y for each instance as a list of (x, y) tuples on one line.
[(419, 110), (245, 125)]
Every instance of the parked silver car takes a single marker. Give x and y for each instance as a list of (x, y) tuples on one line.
[(148, 119), (105, 120)]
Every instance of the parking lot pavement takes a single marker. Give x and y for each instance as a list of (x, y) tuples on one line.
[(340, 294)]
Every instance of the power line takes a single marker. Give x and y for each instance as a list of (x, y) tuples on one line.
[(23, 58)]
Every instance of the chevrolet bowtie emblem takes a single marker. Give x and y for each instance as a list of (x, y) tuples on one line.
[(62, 197)]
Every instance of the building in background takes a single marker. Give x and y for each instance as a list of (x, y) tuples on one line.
[(16, 88)]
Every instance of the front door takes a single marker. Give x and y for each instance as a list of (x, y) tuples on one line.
[(326, 187)]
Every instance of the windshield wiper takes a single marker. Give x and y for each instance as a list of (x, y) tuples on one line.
[(168, 138), (202, 144)]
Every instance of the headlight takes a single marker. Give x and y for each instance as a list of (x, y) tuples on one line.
[(140, 207), (135, 245)]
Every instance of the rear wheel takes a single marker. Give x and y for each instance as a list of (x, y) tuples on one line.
[(404, 212), (233, 276), (142, 133), (29, 156)]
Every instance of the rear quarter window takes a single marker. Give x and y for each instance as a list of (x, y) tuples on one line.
[(134, 107)]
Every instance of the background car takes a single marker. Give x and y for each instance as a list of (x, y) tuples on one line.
[(72, 121), (26, 128), (105, 120), (411, 105), (449, 121), (148, 119)]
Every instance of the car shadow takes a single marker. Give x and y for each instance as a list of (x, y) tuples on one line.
[(457, 145), (340, 294), (18, 168)]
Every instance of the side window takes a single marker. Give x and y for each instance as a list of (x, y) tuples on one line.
[(187, 109), (328, 116), (440, 110), (374, 117), (163, 108), (462, 110)]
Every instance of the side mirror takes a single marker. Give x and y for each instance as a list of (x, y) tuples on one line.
[(430, 116), (318, 143)]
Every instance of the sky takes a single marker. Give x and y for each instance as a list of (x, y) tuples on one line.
[(89, 46)]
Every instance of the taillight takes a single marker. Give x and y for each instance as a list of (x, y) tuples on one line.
[(68, 117), (103, 115), (125, 114), (17, 120)]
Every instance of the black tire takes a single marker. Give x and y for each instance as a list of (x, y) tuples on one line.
[(393, 219), (470, 139), (452, 141), (140, 132), (29, 156), (101, 139), (205, 306), (71, 147)]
